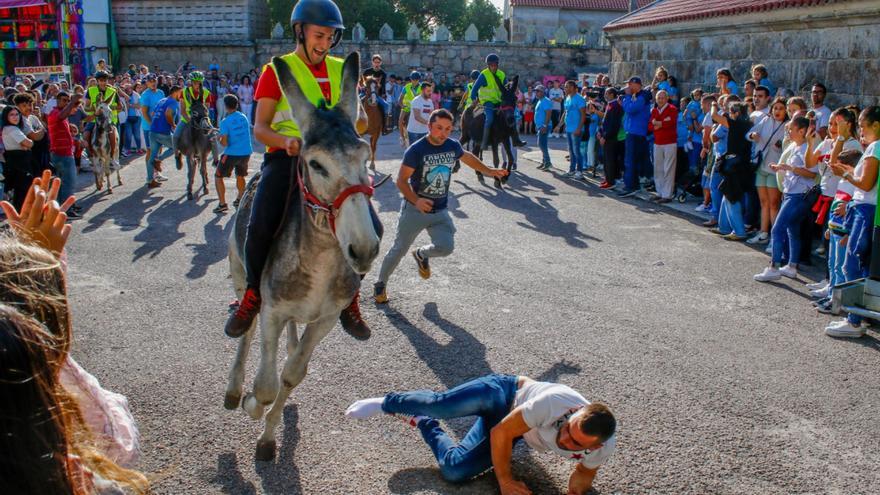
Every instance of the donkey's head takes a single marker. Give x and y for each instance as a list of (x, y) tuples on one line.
[(370, 88), (334, 159), (102, 112), (508, 103)]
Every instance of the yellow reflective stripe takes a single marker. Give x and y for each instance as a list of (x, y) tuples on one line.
[(491, 92), (283, 122)]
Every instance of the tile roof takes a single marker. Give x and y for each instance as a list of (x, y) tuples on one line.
[(622, 5), (669, 11)]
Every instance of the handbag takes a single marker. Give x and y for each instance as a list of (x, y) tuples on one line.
[(813, 194), (758, 159)]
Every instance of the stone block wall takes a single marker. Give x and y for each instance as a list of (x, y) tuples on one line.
[(837, 47), (184, 22), (547, 20), (234, 59)]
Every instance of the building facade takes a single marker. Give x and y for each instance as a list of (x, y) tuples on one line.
[(580, 18), (835, 42)]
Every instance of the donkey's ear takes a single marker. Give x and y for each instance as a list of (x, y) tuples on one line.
[(348, 98), (301, 108)]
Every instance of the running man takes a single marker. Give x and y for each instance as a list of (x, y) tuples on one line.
[(548, 416), (424, 182)]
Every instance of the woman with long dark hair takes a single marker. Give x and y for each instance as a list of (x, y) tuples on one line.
[(17, 169), (245, 93)]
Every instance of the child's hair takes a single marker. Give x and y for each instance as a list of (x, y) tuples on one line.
[(849, 157)]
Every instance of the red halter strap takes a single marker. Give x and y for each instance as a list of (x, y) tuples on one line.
[(316, 205)]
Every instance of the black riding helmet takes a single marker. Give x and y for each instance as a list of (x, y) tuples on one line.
[(320, 13)]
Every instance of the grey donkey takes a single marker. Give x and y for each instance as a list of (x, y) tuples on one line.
[(195, 143), (318, 256)]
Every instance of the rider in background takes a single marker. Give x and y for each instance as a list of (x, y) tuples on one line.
[(410, 91), (94, 95), (487, 90), (377, 73), (191, 94), (317, 27)]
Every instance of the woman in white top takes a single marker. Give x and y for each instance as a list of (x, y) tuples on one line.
[(17, 168), (799, 179), (245, 93), (767, 137), (860, 213)]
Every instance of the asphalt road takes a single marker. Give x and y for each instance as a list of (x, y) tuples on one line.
[(721, 385)]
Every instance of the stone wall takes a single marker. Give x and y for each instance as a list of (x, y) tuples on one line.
[(547, 20), (400, 57), (185, 22), (838, 45)]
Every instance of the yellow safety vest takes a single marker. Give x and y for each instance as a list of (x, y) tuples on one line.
[(188, 97), (109, 93), (468, 100), (409, 93), (283, 122), (490, 93)]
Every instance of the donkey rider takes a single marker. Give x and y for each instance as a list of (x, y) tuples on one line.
[(487, 91), (195, 92), (94, 96), (317, 28)]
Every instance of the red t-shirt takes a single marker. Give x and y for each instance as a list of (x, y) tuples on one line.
[(60, 138), (267, 84)]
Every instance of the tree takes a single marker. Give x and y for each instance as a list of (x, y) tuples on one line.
[(427, 14), (483, 15), (372, 14)]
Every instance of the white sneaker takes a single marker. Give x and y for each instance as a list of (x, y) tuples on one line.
[(701, 207), (769, 249), (759, 238), (843, 329), (159, 177), (821, 293), (788, 271), (768, 275), (818, 285), (578, 175), (568, 174)]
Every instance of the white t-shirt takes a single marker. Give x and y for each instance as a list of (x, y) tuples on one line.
[(823, 116), (12, 138), (50, 105), (544, 404), (770, 133), (831, 182), (866, 197), (794, 183), (553, 93), (424, 106), (758, 115)]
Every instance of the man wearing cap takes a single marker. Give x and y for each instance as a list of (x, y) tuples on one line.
[(149, 99), (637, 107), (543, 122), (378, 74), (193, 93), (317, 27), (487, 90), (410, 91), (95, 95)]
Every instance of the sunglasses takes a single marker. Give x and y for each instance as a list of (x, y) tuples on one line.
[(564, 423)]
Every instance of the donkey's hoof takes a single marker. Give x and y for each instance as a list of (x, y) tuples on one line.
[(231, 401), (253, 408), (265, 450), (189, 195)]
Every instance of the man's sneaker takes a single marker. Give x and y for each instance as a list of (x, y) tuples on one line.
[(159, 177), (710, 223), (825, 308), (845, 330), (236, 202), (627, 193), (352, 322), (568, 174), (153, 184), (379, 294), (788, 271), (768, 275), (701, 207), (578, 175), (818, 285), (606, 185), (424, 267), (820, 302), (759, 238), (716, 230), (733, 237), (820, 251), (245, 312), (72, 214), (821, 293), (221, 208)]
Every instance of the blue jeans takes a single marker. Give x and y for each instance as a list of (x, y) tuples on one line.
[(414, 136), (694, 157), (788, 226), (634, 160), (731, 218), (836, 257), (715, 193), (489, 112), (65, 168), (156, 142), (542, 144), (490, 398), (588, 151), (575, 160), (858, 247), (146, 138), (132, 132)]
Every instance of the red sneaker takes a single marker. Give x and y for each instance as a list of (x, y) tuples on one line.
[(243, 316), (606, 185)]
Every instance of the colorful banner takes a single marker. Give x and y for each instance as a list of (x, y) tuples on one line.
[(73, 38), (14, 4), (47, 69)]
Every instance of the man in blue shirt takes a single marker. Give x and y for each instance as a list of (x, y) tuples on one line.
[(235, 135), (573, 118), (163, 121), (149, 98), (423, 180), (543, 112), (637, 107)]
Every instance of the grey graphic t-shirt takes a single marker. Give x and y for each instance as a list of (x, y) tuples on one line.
[(433, 168)]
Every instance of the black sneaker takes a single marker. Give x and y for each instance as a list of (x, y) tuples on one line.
[(627, 193), (236, 202), (221, 208), (424, 267), (71, 213), (352, 322)]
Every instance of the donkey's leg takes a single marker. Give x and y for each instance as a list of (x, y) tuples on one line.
[(190, 175), (108, 172), (266, 381), (204, 171), (293, 373), (236, 374), (509, 152), (374, 141)]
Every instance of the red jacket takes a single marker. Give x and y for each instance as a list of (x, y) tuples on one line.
[(667, 133)]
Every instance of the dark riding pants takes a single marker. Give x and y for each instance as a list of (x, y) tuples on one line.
[(267, 212)]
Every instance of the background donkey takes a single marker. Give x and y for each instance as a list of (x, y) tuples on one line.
[(195, 143), (319, 254), (101, 162), (503, 128)]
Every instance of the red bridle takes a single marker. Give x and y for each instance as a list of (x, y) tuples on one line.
[(316, 205)]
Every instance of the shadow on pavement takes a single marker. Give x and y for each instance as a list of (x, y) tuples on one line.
[(421, 480), (229, 476), (127, 212), (213, 250), (163, 226), (282, 475)]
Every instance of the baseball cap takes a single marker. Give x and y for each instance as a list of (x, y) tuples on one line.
[(635, 79), (150, 77), (540, 88)]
